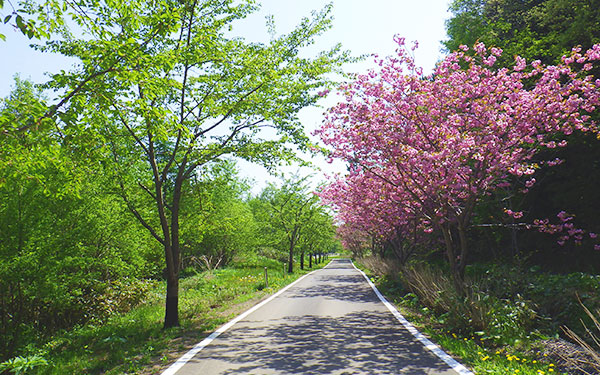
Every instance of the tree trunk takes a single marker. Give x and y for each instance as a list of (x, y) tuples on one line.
[(302, 260), (291, 258), (172, 302), (292, 239), (455, 259), (309, 260)]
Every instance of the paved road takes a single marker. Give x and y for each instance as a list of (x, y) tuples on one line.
[(331, 322)]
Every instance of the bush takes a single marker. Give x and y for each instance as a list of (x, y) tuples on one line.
[(381, 267), (499, 321), (555, 296), (23, 365)]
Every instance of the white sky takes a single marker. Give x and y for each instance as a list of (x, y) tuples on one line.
[(363, 27)]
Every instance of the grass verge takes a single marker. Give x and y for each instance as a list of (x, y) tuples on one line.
[(507, 360), (136, 343)]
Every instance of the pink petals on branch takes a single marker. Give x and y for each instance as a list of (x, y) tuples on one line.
[(422, 151)]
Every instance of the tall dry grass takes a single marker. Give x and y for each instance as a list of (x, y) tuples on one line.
[(381, 267), (500, 321), (590, 364)]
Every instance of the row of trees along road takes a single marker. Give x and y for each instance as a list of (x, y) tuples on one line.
[(425, 151), (293, 211), (80, 256), (159, 91)]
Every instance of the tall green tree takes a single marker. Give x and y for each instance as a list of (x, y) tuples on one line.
[(65, 244), (217, 221), (290, 209), (533, 29), (168, 91)]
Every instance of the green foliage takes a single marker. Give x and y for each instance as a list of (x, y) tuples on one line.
[(291, 219), (497, 321), (34, 152), (67, 261), (555, 296), (160, 91), (69, 253), (534, 29), (217, 222), (23, 365)]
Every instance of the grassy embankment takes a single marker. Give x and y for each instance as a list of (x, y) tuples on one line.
[(507, 346), (136, 343)]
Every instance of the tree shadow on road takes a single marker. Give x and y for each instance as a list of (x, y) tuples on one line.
[(348, 288), (357, 343)]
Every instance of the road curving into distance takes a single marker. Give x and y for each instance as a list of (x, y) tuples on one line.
[(331, 321)]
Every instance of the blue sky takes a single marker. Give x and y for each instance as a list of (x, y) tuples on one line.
[(362, 26)]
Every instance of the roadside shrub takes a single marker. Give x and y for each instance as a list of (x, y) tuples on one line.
[(555, 296), (119, 296), (495, 320), (23, 365)]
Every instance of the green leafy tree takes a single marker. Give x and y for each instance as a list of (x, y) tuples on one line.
[(167, 91), (217, 222), (319, 235), (533, 29), (62, 248), (290, 209)]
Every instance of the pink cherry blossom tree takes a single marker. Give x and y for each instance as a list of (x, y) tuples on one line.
[(426, 149)]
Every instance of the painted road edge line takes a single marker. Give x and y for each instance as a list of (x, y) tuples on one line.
[(462, 370), (171, 370)]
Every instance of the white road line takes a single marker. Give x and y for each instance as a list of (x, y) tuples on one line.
[(462, 370), (202, 344)]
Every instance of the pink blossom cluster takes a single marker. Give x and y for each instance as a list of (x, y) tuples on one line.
[(566, 229), (423, 150), (353, 238)]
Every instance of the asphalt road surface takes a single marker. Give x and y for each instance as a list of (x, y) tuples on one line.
[(331, 322)]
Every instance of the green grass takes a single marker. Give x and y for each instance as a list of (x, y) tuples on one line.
[(136, 343), (471, 351), (507, 360)]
